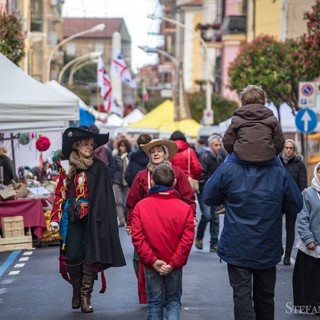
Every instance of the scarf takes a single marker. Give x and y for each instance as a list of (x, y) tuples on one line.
[(151, 166), (78, 163), (315, 183)]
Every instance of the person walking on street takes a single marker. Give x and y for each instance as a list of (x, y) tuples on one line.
[(83, 197), (294, 164), (186, 158), (120, 185), (254, 195), (138, 160), (163, 233), (306, 276), (159, 151), (210, 160)]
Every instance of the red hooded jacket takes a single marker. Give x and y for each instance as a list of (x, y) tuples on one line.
[(181, 160)]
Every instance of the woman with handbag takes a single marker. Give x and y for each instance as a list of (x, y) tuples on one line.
[(186, 159), (84, 210), (306, 276), (159, 151)]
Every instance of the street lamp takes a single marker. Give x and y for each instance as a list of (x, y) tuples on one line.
[(157, 50), (208, 112), (78, 66), (88, 56), (177, 83), (99, 27)]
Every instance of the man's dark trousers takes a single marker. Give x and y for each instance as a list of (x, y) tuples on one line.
[(253, 292)]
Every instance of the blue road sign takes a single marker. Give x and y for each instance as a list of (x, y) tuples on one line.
[(306, 120)]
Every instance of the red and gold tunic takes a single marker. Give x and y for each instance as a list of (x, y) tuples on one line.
[(62, 193)]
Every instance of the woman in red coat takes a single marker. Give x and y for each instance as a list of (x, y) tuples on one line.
[(185, 157), (159, 151)]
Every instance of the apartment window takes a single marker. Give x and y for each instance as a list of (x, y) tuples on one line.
[(36, 16), (99, 47), (71, 49)]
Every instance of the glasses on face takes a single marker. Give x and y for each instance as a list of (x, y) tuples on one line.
[(218, 145), (289, 148)]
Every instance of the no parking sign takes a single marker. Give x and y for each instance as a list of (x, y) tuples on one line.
[(307, 94)]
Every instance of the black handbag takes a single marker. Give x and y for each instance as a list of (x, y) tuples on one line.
[(73, 208)]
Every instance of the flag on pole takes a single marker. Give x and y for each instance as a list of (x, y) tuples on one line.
[(119, 67), (104, 84)]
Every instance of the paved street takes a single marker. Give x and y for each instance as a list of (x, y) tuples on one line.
[(38, 291)]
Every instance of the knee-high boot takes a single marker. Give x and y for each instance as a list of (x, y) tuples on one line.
[(88, 276), (75, 274)]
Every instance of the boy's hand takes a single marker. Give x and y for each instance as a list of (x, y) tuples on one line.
[(165, 269), (157, 265)]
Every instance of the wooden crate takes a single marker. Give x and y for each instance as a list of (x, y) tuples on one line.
[(12, 227), (19, 243), (14, 237)]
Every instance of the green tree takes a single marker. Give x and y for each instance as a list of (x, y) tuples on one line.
[(279, 66), (223, 108), (310, 43), (11, 38)]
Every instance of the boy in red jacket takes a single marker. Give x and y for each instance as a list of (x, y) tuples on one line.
[(163, 234)]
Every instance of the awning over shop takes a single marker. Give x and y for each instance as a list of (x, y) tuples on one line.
[(27, 104), (162, 118)]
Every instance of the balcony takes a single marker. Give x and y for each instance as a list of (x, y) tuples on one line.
[(234, 25)]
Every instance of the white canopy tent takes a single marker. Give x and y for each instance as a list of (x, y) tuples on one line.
[(100, 116), (27, 104), (133, 116)]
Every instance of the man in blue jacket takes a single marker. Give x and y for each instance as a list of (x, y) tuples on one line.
[(254, 196)]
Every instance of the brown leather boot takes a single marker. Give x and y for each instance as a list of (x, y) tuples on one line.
[(75, 274), (88, 276)]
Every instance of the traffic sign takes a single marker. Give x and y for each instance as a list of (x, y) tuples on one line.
[(307, 94), (306, 120)]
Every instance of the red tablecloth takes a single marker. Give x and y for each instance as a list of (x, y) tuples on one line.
[(30, 209)]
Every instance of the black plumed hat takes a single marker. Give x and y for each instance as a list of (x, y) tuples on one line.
[(73, 134)]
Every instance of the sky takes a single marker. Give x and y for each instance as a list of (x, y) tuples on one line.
[(135, 14)]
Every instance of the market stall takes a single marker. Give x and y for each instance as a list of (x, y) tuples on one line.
[(29, 106), (30, 209)]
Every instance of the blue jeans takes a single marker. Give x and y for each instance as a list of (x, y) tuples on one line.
[(158, 287), (208, 215)]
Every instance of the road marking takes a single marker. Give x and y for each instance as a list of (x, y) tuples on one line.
[(7, 281), (28, 253), (9, 262), (24, 259), (19, 265), (13, 273), (3, 290)]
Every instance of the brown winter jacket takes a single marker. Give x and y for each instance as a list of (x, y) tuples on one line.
[(254, 134)]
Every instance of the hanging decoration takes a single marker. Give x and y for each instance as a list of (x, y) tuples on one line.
[(43, 143), (24, 138)]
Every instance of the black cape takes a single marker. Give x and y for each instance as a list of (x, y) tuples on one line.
[(103, 242)]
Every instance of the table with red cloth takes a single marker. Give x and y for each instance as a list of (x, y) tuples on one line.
[(30, 209)]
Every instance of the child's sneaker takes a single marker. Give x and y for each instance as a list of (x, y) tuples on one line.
[(220, 209)]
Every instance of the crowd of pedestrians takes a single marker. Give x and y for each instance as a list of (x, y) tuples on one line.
[(251, 174)]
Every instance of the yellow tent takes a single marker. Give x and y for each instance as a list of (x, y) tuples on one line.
[(162, 118)]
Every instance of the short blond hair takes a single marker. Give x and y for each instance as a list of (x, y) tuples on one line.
[(3, 150)]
